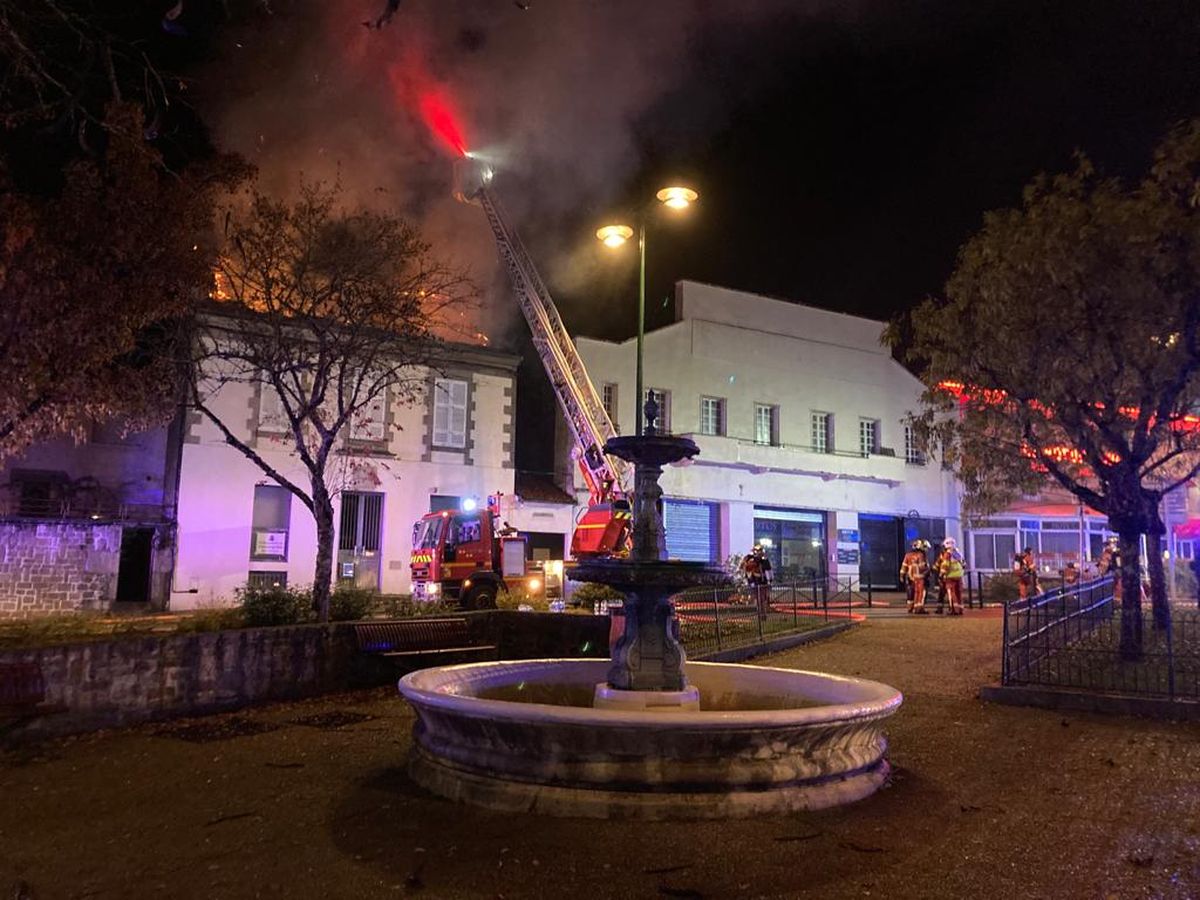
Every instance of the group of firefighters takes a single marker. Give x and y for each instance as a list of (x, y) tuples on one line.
[(948, 568)]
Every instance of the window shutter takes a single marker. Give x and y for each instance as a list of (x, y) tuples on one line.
[(449, 413)]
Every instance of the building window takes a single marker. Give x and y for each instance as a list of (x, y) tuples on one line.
[(664, 408), (449, 413), (608, 399), (270, 522), (265, 580), (272, 417), (766, 424), (912, 447), (868, 436), (822, 432), (712, 415), (369, 424)]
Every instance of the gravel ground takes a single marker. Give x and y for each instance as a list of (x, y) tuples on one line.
[(311, 800)]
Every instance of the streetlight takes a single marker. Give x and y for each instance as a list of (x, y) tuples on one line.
[(675, 197)]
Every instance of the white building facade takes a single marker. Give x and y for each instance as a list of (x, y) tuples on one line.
[(236, 526), (799, 415)]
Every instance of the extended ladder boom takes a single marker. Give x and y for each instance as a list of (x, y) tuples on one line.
[(590, 424)]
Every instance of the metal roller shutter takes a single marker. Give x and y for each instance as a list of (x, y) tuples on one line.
[(691, 530)]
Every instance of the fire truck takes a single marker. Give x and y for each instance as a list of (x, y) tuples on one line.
[(466, 555), (604, 527)]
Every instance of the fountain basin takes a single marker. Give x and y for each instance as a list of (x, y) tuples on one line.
[(523, 736)]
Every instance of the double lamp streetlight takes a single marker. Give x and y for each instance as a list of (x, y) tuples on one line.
[(674, 198)]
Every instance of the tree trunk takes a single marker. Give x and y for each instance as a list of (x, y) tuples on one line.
[(323, 574), (1131, 595), (1158, 581)]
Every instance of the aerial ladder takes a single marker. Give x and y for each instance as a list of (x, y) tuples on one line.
[(603, 529)]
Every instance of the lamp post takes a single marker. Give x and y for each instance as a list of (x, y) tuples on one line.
[(677, 198)]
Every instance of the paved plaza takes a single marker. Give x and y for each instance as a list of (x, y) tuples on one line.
[(311, 800)]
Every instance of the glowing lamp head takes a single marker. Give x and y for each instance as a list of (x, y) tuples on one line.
[(614, 235), (469, 504), (677, 197)]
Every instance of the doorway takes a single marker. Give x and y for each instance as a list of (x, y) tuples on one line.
[(359, 539), (133, 570)]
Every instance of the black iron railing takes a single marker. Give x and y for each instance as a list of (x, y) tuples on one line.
[(726, 618), (1070, 637)]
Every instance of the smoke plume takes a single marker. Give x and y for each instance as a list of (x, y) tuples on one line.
[(550, 91)]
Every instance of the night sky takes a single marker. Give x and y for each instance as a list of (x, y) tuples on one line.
[(855, 156)]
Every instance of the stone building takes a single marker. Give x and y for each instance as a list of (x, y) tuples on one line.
[(175, 518), (88, 525)]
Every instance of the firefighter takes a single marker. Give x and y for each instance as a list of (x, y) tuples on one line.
[(913, 570), (951, 570), (1110, 564), (1025, 568), (757, 569), (1071, 575)]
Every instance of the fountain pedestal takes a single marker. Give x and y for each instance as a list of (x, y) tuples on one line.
[(648, 657)]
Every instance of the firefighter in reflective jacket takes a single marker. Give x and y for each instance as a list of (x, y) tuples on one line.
[(1025, 568), (913, 569), (950, 569)]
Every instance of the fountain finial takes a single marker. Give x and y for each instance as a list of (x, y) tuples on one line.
[(651, 410)]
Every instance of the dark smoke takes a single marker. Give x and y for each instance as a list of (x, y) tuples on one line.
[(551, 93)]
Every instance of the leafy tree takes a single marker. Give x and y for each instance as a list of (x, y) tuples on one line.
[(89, 278), (1073, 326), (332, 311)]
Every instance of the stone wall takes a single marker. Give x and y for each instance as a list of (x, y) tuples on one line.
[(56, 567), (104, 684)]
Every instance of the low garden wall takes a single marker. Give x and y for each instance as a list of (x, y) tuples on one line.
[(103, 684)]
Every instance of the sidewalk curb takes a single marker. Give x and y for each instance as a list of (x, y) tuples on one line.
[(1079, 701), (784, 642)]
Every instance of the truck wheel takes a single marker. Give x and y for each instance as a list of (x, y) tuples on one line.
[(482, 597)]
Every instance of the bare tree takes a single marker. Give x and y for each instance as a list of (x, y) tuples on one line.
[(332, 311)]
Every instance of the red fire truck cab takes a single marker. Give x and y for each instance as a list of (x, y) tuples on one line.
[(462, 555)]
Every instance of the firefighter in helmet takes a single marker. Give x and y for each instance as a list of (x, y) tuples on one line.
[(950, 570), (1025, 568), (913, 570), (756, 566)]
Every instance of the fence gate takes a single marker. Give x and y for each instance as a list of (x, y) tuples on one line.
[(360, 538)]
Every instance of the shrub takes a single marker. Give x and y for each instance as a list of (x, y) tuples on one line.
[(515, 599), (590, 593), (275, 605), (212, 619), (349, 602), (1001, 588), (403, 606)]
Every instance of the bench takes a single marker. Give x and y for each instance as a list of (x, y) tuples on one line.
[(22, 690), (418, 637)]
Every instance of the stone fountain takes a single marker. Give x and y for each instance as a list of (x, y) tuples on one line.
[(647, 734)]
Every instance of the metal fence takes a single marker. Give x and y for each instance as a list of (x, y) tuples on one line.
[(1070, 637), (726, 618)]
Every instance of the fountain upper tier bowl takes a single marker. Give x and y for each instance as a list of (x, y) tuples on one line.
[(522, 736)]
